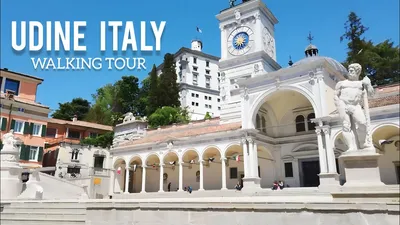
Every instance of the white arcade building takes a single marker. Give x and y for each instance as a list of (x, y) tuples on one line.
[(264, 132)]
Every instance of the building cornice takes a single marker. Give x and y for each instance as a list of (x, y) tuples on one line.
[(248, 59), (184, 86)]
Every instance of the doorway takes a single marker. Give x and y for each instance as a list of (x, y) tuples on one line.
[(309, 170)]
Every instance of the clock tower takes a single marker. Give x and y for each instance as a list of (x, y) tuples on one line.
[(247, 49)]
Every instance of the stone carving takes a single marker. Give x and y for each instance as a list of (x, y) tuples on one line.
[(223, 77), (237, 14), (223, 92), (128, 117), (351, 100), (10, 150), (245, 94), (256, 68)]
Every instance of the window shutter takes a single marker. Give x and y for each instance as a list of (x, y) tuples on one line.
[(22, 152), (12, 124), (40, 157), (44, 127), (3, 124), (27, 151), (1, 145), (31, 128), (26, 128)]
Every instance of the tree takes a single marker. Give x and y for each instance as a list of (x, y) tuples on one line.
[(154, 92), (380, 62), (127, 93), (168, 115), (207, 116), (142, 103), (168, 86), (66, 111), (103, 140)]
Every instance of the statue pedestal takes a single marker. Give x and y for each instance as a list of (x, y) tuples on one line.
[(10, 179), (361, 169), (251, 184), (328, 181)]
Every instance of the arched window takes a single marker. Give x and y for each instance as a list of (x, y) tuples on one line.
[(311, 125), (258, 122), (300, 125), (264, 124)]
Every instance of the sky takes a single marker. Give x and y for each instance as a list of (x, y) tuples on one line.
[(325, 20)]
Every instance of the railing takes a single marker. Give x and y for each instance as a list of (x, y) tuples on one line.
[(99, 172)]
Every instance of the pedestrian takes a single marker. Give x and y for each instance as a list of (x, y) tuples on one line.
[(281, 185), (190, 189), (169, 186), (238, 187)]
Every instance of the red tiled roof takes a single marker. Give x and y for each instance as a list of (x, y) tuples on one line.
[(186, 130), (384, 101), (81, 124)]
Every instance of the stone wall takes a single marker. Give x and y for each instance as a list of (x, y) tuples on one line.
[(178, 213)]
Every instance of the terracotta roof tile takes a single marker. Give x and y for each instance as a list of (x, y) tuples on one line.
[(182, 131), (81, 124)]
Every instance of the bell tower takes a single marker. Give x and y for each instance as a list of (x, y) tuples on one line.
[(247, 49)]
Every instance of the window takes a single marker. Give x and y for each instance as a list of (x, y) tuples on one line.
[(208, 72), (18, 126), (219, 108), (209, 98), (194, 79), (208, 80), (36, 129), (12, 85), (311, 125), (74, 155), (74, 134), (207, 63), (33, 153), (288, 169), (74, 170), (3, 123), (258, 123), (194, 68), (193, 95), (98, 161), (93, 135), (51, 132), (197, 104), (205, 97), (233, 173), (197, 95), (206, 106), (218, 100), (192, 103), (21, 110), (300, 125), (194, 60), (264, 124)]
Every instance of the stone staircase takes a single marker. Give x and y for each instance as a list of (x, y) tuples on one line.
[(50, 213)]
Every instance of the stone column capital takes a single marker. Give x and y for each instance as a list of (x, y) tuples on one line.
[(201, 161), (243, 140), (318, 131), (223, 159), (326, 130), (127, 167), (162, 164), (250, 140), (144, 166)]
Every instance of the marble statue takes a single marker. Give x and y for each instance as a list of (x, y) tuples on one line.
[(10, 150), (352, 104), (128, 117)]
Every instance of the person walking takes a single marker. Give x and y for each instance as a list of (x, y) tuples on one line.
[(169, 186)]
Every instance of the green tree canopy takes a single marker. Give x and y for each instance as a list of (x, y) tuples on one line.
[(66, 111), (380, 62), (153, 93), (207, 116), (168, 115), (103, 140)]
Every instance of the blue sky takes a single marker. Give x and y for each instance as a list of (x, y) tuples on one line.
[(324, 19)]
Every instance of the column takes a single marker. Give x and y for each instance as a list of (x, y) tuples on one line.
[(251, 157), (112, 182), (201, 176), (143, 179), (321, 152), (330, 154), (161, 178), (255, 159), (223, 173), (245, 158), (181, 176), (127, 180)]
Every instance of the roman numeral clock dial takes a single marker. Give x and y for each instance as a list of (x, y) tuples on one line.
[(240, 41)]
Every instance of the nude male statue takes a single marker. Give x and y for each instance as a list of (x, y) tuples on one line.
[(352, 107)]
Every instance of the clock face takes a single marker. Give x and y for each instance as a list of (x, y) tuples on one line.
[(269, 42), (240, 41)]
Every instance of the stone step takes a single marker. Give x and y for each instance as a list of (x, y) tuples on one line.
[(37, 209), (42, 215), (62, 205), (4, 221)]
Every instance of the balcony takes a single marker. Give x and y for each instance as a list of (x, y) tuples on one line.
[(99, 172)]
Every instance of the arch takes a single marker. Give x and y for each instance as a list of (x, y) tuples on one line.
[(261, 99), (100, 152), (170, 156), (300, 123), (152, 157), (232, 150), (211, 147), (265, 150), (131, 159), (118, 159), (188, 154), (384, 125)]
